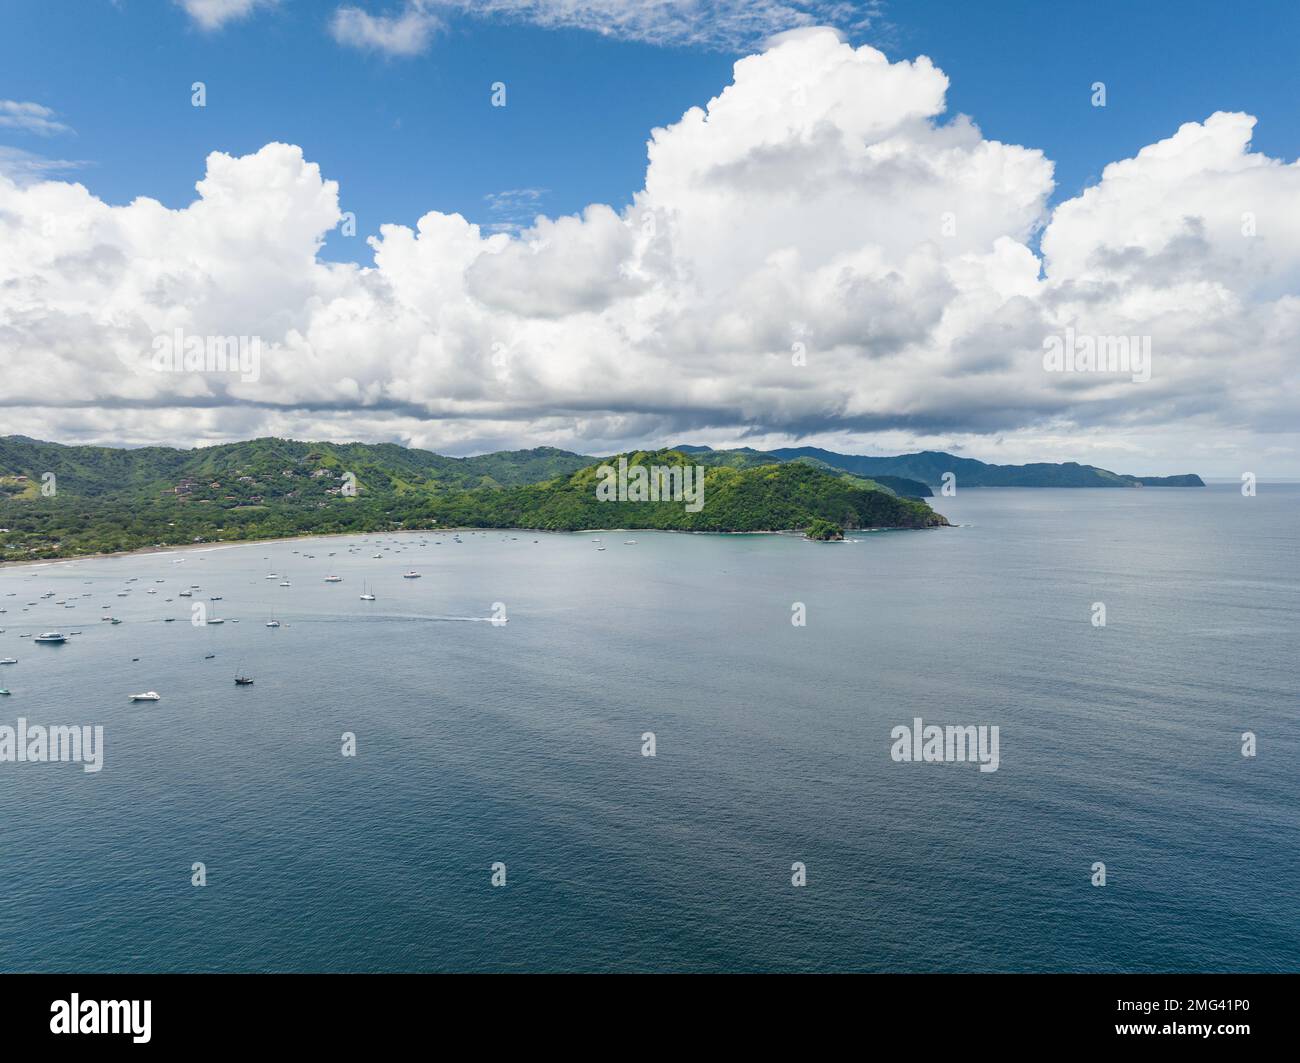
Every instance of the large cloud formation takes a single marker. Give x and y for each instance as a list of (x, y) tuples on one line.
[(815, 254)]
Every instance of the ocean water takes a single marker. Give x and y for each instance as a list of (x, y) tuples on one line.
[(522, 743)]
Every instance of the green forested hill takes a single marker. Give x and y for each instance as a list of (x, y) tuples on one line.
[(745, 457), (100, 470), (109, 499), (753, 498)]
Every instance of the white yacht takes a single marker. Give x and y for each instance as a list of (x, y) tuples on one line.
[(333, 579), (149, 695), (51, 636), (411, 575)]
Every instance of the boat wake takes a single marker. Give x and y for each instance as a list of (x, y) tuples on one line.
[(376, 618)]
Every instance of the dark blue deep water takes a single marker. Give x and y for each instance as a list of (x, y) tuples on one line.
[(522, 744)]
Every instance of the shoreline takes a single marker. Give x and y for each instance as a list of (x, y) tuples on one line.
[(233, 543), (173, 549)]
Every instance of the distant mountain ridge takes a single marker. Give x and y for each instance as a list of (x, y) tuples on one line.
[(929, 467), (911, 475)]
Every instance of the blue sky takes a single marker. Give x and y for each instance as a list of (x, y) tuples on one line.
[(409, 134)]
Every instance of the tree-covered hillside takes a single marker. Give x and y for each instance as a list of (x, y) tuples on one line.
[(107, 499)]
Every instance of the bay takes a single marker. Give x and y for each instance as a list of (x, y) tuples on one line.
[(522, 743)]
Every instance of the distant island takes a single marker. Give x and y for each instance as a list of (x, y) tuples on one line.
[(824, 531), (61, 501)]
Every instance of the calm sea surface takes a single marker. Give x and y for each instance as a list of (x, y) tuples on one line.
[(521, 743)]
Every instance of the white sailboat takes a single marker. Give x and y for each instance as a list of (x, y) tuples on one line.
[(366, 596)]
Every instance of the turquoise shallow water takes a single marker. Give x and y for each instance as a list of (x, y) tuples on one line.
[(522, 743)]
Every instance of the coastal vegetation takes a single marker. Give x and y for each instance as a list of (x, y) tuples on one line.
[(106, 500)]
